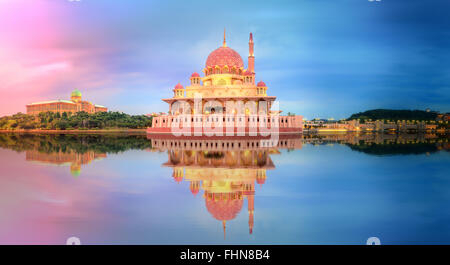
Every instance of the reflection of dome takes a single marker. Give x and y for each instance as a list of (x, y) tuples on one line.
[(76, 173), (178, 174), (177, 178), (224, 56), (194, 187), (75, 170), (76, 93), (260, 181), (224, 209)]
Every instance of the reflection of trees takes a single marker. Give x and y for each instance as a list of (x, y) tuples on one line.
[(384, 144), (395, 149), (51, 143)]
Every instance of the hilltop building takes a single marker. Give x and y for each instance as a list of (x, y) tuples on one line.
[(75, 104)]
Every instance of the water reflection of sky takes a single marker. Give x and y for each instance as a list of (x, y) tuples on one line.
[(315, 195)]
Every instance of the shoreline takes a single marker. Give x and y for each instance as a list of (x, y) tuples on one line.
[(90, 131)]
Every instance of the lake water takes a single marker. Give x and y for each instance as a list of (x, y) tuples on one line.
[(318, 189)]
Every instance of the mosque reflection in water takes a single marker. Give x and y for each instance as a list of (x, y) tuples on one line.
[(226, 170), (73, 159)]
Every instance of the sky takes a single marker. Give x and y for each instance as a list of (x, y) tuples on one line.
[(321, 58)]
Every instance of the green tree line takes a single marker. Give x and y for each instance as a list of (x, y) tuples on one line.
[(389, 114), (79, 120)]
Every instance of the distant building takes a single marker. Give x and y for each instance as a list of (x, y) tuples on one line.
[(443, 117), (67, 158), (75, 104)]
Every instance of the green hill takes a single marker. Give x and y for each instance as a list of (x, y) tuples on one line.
[(388, 114), (79, 120)]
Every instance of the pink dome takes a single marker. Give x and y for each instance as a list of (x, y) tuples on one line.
[(178, 86), (224, 210), (195, 74), (261, 84), (248, 72), (224, 56)]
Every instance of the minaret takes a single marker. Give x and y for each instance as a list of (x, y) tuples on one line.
[(251, 55)]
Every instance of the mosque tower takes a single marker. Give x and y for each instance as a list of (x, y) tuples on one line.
[(251, 55)]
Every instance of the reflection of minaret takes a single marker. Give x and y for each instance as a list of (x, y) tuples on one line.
[(226, 172), (251, 208), (249, 191)]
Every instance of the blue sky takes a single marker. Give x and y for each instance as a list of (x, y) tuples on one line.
[(321, 58)]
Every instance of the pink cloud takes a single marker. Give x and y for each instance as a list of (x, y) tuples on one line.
[(36, 62)]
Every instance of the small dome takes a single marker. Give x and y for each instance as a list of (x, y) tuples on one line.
[(177, 178), (76, 93), (195, 74), (194, 190), (75, 170), (194, 186), (178, 86), (261, 84), (248, 72)]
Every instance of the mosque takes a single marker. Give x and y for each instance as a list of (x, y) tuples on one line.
[(225, 80), (75, 104)]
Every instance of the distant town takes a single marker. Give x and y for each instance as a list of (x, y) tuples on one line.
[(226, 84), (380, 120)]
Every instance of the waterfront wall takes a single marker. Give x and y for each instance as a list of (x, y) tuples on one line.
[(228, 123)]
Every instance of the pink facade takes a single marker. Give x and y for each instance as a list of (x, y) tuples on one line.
[(226, 99)]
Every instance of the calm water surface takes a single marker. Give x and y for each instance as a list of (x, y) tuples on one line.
[(326, 189)]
